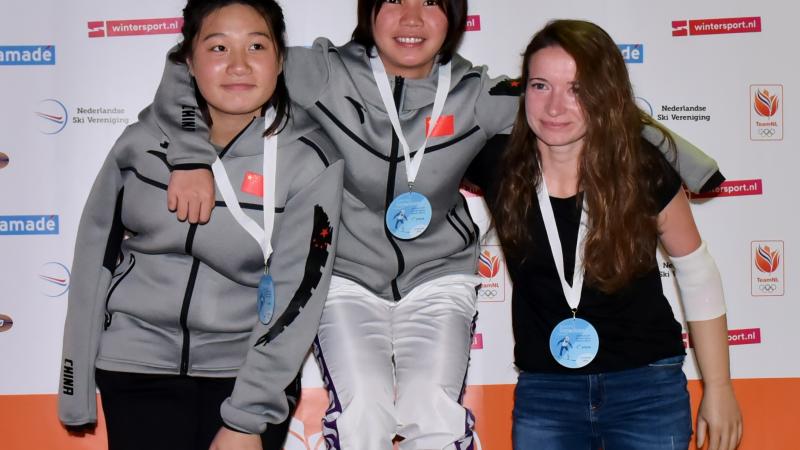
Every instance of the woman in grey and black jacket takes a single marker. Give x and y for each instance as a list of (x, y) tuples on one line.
[(163, 315)]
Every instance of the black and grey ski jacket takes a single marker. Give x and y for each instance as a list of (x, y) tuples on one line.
[(153, 295)]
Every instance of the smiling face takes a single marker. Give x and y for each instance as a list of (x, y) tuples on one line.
[(235, 63), (408, 35), (552, 106)]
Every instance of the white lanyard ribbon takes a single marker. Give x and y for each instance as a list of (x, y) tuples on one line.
[(269, 176), (442, 90), (572, 293)]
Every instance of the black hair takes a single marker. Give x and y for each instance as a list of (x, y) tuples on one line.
[(193, 15), (455, 10)]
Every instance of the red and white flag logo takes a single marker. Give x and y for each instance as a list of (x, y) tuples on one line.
[(97, 29), (680, 27), (445, 126), (253, 184)]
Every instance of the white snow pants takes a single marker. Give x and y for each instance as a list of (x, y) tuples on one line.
[(397, 368)]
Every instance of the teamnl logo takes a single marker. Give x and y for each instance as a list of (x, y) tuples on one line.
[(493, 274), (728, 25), (134, 27), (767, 272), (766, 112), (632, 53), (27, 55), (24, 225)]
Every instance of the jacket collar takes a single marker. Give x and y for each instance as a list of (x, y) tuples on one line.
[(417, 93)]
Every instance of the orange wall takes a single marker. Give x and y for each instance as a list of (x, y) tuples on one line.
[(771, 409)]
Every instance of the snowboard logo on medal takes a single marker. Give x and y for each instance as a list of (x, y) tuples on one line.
[(574, 343), (409, 215)]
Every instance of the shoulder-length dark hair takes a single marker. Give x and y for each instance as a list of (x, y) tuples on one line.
[(193, 15), (455, 10), (615, 174)]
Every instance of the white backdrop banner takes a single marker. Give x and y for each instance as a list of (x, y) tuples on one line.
[(718, 72)]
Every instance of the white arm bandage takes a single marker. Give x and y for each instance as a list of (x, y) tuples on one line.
[(699, 284)]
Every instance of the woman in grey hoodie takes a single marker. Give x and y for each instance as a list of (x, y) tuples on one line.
[(191, 331), (395, 334)]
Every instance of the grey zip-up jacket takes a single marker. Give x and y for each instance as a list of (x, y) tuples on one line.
[(153, 295), (336, 86)]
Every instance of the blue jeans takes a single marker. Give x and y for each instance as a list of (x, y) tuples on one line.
[(646, 408)]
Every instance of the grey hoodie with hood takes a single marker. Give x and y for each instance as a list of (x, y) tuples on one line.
[(153, 295), (337, 87)]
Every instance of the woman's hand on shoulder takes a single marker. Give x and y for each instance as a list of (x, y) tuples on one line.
[(719, 421), (190, 195), (227, 439)]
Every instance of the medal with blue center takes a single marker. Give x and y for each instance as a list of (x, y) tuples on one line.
[(410, 213), (574, 341), (265, 300)]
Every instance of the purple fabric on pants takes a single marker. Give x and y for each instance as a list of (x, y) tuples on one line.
[(329, 428), (468, 441)]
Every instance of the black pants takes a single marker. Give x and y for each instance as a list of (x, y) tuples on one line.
[(168, 412)]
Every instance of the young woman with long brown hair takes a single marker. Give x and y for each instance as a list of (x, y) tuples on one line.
[(581, 196)]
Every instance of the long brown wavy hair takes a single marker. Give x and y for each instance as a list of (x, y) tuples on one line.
[(614, 173)]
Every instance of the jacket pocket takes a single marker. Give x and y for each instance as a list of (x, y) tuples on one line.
[(119, 277), (465, 228)]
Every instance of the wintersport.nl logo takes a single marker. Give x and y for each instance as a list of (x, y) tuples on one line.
[(134, 27), (728, 25)]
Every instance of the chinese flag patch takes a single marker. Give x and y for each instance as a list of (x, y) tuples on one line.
[(446, 126), (253, 184)]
